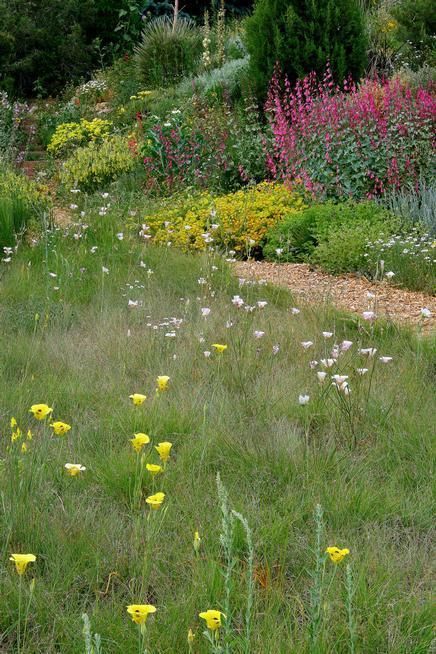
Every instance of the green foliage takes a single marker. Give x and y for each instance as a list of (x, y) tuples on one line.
[(47, 43), (168, 52), (21, 201), (303, 36), (70, 135), (416, 31), (95, 165), (331, 235)]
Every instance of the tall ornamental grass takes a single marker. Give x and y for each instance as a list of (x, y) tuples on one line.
[(358, 141)]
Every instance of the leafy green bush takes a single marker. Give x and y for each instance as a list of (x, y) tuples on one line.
[(95, 165), (332, 235), (168, 52), (21, 200), (303, 36)]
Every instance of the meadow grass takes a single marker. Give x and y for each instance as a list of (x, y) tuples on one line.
[(72, 341)]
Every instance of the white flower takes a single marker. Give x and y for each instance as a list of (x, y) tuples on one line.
[(303, 399), (142, 264), (75, 190), (120, 236), (105, 195), (133, 303), (345, 345), (202, 281), (339, 379), (426, 313), (327, 363), (105, 270), (73, 207), (390, 274), (205, 311), (279, 251), (229, 324), (52, 274), (7, 259), (307, 344), (313, 364), (327, 334), (170, 334), (368, 351), (385, 359), (368, 315), (321, 376), (261, 304), (237, 301), (362, 371), (258, 334), (93, 249), (295, 311), (206, 354), (276, 349)]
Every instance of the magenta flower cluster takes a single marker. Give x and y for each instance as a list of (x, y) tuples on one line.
[(356, 141)]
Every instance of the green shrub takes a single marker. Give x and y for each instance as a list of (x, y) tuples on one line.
[(303, 36), (415, 32), (331, 235), (168, 53), (95, 165), (21, 201)]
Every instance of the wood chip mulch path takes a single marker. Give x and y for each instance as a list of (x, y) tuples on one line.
[(347, 292)]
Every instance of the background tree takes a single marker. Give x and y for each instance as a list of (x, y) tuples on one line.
[(302, 36)]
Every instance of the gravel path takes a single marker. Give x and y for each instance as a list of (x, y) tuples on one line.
[(347, 292)]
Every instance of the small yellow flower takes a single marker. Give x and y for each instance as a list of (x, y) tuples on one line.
[(154, 469), (74, 469), (337, 555), (155, 501), (162, 383), (138, 399), (60, 428), (139, 441), (13, 423), (23, 448), (191, 637), (16, 434), (140, 612), (219, 347), (213, 618), (163, 449), (197, 542), (29, 435), (40, 411), (21, 561)]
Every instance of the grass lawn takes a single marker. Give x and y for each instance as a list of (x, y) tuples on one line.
[(69, 338)]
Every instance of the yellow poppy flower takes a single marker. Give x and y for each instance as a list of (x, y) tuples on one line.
[(197, 542), (138, 399), (213, 618), (21, 561), (60, 428), (40, 411), (74, 469), (162, 382), (163, 449), (337, 555), (219, 347), (140, 612), (155, 501), (139, 441), (153, 468)]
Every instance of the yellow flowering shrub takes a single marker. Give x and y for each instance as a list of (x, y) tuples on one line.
[(68, 135), (237, 221), (96, 164)]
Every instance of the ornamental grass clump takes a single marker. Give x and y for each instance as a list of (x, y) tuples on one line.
[(355, 142)]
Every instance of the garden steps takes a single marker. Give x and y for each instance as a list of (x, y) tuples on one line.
[(347, 292)]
